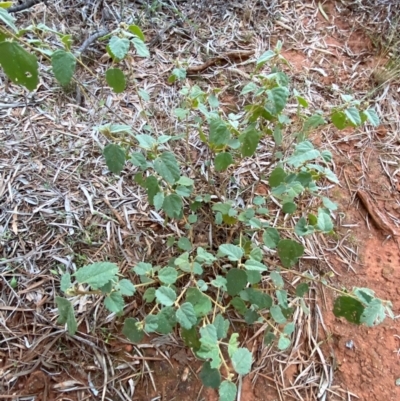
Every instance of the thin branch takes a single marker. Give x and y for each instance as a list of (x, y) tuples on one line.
[(24, 6), (91, 39)]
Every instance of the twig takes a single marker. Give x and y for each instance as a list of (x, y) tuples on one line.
[(25, 6), (241, 55), (91, 39)]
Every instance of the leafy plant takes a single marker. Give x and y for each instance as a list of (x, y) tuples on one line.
[(201, 286)]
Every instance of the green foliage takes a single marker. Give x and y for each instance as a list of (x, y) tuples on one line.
[(195, 292)]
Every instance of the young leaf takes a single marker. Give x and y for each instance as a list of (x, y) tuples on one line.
[(97, 274), (140, 47), (65, 283), (132, 330), (63, 64), (136, 31), (210, 377), (303, 153), (186, 316), (233, 252), (266, 56), (150, 324), (116, 79), (168, 275), (325, 223), (223, 161), (233, 344), (126, 287), (242, 361), (271, 237), (249, 139), (227, 391), (66, 315), (165, 296), (372, 117), (167, 166), (283, 342), (20, 66), (339, 119), (236, 281), (146, 141), (277, 177), (374, 313), (118, 47), (114, 302), (302, 228), (222, 326), (115, 158), (173, 206), (8, 19), (353, 116), (277, 315), (289, 252), (349, 308)]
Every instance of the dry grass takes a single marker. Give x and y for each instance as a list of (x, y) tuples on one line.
[(61, 209)]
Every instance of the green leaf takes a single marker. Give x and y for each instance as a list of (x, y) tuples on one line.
[(165, 296), (209, 345), (289, 328), (324, 222), (150, 324), (186, 316), (302, 289), (372, 117), (303, 153), (266, 56), (20, 66), (146, 141), (255, 266), (152, 187), (284, 342), (210, 377), (168, 275), (277, 279), (258, 298), (140, 47), (233, 252), (116, 79), (223, 161), (353, 115), (239, 305), (205, 257), (166, 320), (63, 64), (233, 344), (132, 330), (66, 315), (329, 204), (97, 274), (236, 281), (277, 134), (277, 99), (219, 282), (374, 313), (8, 19), (65, 283), (365, 295), (289, 207), (191, 338), (136, 31), (149, 295), (173, 206), (289, 252), (114, 302), (277, 177), (201, 303), (227, 391), (242, 361), (115, 158), (302, 228), (349, 308), (219, 132), (339, 119), (184, 244), (271, 237), (138, 160), (167, 166), (142, 268), (158, 200), (277, 315), (313, 122), (249, 139), (269, 338), (253, 276), (126, 287), (118, 47), (222, 326)]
